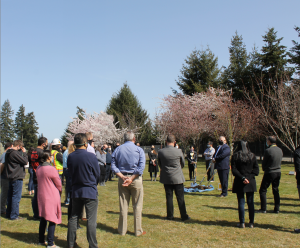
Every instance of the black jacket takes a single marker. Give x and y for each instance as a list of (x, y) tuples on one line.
[(222, 158), (248, 169), (272, 160), (192, 157), (297, 159), (14, 164)]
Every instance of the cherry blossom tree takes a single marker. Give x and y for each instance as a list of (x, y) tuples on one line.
[(100, 124), (210, 113)]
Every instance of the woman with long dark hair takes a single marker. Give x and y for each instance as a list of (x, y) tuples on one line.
[(48, 198), (244, 168), (153, 166)]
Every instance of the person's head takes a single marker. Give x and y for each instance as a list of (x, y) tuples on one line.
[(129, 136), (117, 144), (89, 135), (243, 146), (210, 144), (80, 141), (152, 147), (43, 142), (138, 144), (8, 145), (192, 148), (56, 144), (109, 148), (71, 147), (46, 157), (18, 145), (171, 139), (222, 140), (271, 140), (105, 146)]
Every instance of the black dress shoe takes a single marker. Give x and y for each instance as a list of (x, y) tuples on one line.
[(297, 230), (169, 218), (187, 218), (261, 211), (276, 212)]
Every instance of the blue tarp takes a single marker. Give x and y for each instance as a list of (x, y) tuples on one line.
[(191, 190)]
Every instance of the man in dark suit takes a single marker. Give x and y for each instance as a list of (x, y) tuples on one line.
[(171, 162), (221, 160)]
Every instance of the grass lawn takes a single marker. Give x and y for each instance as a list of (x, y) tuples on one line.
[(213, 222)]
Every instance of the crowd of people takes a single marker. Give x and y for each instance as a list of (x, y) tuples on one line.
[(84, 166)]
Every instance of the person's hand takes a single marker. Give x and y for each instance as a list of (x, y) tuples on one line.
[(23, 149), (124, 178), (127, 182), (246, 181)]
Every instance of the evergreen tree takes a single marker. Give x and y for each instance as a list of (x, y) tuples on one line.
[(30, 137), (295, 53), (274, 58), (20, 123), (236, 76), (128, 113), (199, 72), (6, 123)]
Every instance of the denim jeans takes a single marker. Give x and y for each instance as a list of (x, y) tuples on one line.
[(91, 206), (13, 199), (241, 204), (34, 202), (42, 229), (30, 183)]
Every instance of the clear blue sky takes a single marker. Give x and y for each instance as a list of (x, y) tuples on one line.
[(56, 55)]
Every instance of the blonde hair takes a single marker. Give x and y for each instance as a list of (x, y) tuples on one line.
[(89, 135)]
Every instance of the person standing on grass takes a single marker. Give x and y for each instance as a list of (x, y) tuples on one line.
[(192, 162), (297, 170), (50, 188), (245, 168), (153, 167), (171, 161), (66, 173), (101, 156), (36, 155), (221, 160), (15, 160), (209, 153), (271, 165), (108, 162), (4, 180), (85, 174), (30, 171), (128, 163), (91, 144)]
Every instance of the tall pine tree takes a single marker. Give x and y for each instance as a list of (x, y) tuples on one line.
[(295, 53), (128, 113), (274, 58), (6, 123), (20, 123), (30, 137), (199, 72), (236, 76)]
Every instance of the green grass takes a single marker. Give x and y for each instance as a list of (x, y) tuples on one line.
[(213, 221)]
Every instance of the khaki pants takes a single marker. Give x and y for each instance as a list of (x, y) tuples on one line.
[(135, 189)]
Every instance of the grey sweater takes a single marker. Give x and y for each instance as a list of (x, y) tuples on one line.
[(272, 160)]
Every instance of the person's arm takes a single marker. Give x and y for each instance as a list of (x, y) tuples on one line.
[(196, 157), (141, 164), (20, 157), (188, 157), (97, 170), (212, 152), (59, 157), (55, 179), (265, 160), (225, 153), (255, 170), (182, 160)]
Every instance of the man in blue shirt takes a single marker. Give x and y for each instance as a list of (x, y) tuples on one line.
[(128, 162), (85, 173)]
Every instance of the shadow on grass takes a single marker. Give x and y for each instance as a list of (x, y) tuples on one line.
[(218, 207), (27, 196), (31, 238), (150, 216), (288, 199)]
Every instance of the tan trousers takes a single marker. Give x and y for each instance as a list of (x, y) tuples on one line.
[(135, 190)]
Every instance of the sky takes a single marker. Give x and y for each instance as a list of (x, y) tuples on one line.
[(56, 55)]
